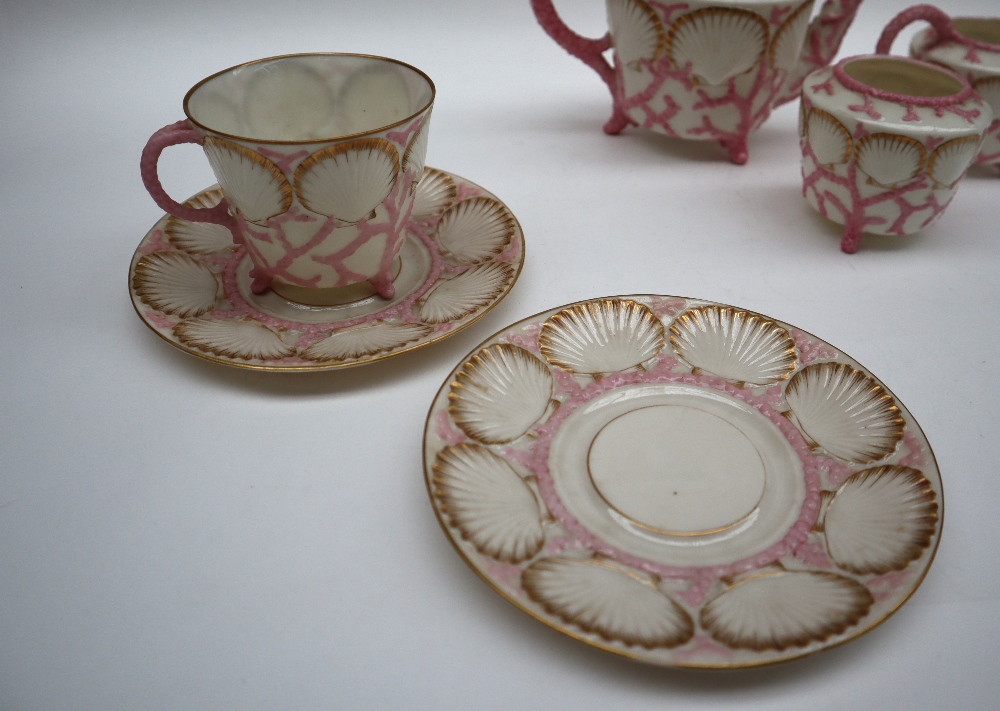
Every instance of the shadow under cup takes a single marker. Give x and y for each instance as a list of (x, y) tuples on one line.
[(317, 156)]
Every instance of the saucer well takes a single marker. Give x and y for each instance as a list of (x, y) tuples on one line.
[(682, 482), (190, 284)]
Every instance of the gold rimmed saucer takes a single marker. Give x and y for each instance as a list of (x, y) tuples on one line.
[(191, 286), (682, 482)]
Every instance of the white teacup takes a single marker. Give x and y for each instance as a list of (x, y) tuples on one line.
[(969, 46), (885, 142), (317, 156)]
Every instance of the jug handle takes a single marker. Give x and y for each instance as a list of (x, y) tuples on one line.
[(938, 19), (587, 50)]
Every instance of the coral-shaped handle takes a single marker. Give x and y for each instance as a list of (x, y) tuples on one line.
[(938, 19), (587, 50), (172, 135)]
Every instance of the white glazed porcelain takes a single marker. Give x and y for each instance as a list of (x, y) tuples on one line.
[(614, 470), (705, 70), (969, 46), (317, 155), (193, 287), (885, 142)]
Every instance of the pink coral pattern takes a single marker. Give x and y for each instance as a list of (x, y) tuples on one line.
[(809, 350), (911, 206)]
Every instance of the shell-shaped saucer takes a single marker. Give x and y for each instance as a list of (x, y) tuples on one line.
[(191, 285)]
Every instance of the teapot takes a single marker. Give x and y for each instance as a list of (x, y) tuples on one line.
[(705, 70)]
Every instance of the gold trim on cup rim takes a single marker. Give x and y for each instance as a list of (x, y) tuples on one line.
[(422, 109)]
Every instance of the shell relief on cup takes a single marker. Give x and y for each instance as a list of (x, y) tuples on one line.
[(503, 436)]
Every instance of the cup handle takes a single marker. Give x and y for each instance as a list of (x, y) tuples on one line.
[(587, 50), (937, 18), (172, 135)]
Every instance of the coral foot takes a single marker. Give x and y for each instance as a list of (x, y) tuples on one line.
[(260, 283), (851, 240), (737, 150), (384, 288), (617, 123)]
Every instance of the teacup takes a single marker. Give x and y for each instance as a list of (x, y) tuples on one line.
[(317, 156), (969, 46), (885, 142), (705, 70)]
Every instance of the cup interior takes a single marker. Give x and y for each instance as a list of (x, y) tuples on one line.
[(903, 77), (309, 97), (983, 29)]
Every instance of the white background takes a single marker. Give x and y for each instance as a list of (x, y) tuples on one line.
[(176, 534)]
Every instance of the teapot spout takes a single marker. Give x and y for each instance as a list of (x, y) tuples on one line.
[(826, 32)]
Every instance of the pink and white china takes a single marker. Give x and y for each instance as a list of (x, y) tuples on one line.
[(885, 142), (705, 70), (682, 482), (192, 286), (969, 46), (317, 156)]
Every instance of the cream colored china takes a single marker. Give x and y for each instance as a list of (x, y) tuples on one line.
[(682, 482), (885, 143), (193, 287), (317, 156), (705, 70)]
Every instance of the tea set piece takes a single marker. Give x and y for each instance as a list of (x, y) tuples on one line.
[(885, 142), (969, 46), (704, 70), (462, 252), (317, 156), (682, 482), (326, 243)]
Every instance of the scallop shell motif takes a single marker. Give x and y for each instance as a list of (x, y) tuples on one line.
[(233, 338), (733, 344), (880, 519), (199, 237), (845, 412), (434, 194), (989, 89), (888, 159), (348, 180), (253, 184), (490, 505), (829, 139), (416, 151), (786, 46), (603, 336), (605, 599), (451, 299), (637, 31), (951, 159), (719, 43), (777, 611), (175, 283), (500, 393), (475, 230), (364, 341)]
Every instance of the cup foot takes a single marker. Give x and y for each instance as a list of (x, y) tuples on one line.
[(338, 295)]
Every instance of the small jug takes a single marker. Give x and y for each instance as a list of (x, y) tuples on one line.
[(969, 46), (705, 70)]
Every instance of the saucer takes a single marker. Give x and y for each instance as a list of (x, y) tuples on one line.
[(191, 285), (682, 482)]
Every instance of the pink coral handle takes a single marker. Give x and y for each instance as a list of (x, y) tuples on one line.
[(589, 51), (172, 135), (939, 20)]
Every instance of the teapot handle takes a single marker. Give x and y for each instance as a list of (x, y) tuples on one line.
[(587, 50), (937, 18)]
